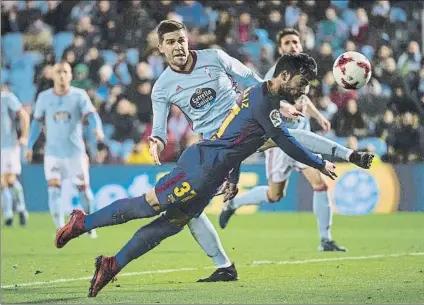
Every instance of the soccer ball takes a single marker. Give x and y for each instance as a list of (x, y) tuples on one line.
[(352, 70)]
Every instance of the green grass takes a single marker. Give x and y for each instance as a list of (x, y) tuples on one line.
[(249, 238)]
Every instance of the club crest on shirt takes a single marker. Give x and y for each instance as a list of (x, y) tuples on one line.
[(202, 98), (275, 117)]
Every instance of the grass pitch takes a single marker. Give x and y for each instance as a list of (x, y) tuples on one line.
[(276, 256)]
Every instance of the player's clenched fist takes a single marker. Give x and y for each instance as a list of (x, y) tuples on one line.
[(156, 147)]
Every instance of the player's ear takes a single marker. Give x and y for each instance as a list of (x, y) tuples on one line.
[(160, 48)]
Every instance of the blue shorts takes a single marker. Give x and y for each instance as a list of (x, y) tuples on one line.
[(191, 184)]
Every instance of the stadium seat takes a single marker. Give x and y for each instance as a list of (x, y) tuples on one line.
[(110, 57), (12, 45), (397, 14), (133, 56), (61, 41), (349, 17), (340, 4)]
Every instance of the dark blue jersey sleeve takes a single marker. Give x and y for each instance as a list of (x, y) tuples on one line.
[(271, 121)]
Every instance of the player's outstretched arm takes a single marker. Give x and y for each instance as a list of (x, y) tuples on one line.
[(238, 71), (271, 121)]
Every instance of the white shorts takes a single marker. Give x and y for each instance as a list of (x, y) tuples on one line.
[(75, 169), (279, 165), (11, 160)]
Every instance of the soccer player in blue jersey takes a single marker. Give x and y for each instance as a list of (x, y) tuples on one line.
[(202, 84), (279, 165), (202, 169), (11, 188), (62, 108)]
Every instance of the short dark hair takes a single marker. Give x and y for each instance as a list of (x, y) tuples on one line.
[(168, 26), (285, 32), (297, 63)]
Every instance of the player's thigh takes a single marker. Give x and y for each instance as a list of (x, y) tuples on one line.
[(77, 169), (314, 177), (53, 170), (11, 163)]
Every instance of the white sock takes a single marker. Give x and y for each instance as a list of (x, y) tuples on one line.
[(255, 196), (7, 203), (323, 213), (87, 200), (206, 236), (55, 207), (19, 194)]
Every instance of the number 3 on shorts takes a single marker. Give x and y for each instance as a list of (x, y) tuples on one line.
[(180, 191)]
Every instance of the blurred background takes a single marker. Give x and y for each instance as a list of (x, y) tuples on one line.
[(111, 46)]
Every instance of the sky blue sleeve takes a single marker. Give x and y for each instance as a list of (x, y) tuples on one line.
[(86, 106), (239, 72), (39, 110), (161, 106), (13, 103)]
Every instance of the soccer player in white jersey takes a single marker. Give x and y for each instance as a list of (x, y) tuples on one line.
[(279, 165), (12, 189), (201, 84), (62, 108)]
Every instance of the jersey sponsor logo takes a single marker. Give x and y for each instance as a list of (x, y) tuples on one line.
[(62, 116), (202, 97), (275, 118)]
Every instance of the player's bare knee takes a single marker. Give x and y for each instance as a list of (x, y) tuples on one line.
[(54, 183), (275, 195), (10, 179), (153, 200)]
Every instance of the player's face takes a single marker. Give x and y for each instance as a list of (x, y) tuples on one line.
[(292, 87), (62, 74), (290, 44), (175, 48)]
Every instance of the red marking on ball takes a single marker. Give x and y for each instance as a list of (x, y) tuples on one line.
[(341, 63), (366, 67)]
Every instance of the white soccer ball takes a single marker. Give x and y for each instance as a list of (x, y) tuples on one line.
[(352, 70)]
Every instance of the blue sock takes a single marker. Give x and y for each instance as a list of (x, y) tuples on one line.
[(323, 213), (118, 212), (19, 193), (55, 207), (145, 239), (86, 198), (7, 202)]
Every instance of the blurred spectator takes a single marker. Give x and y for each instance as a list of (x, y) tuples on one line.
[(140, 154), (274, 24), (140, 96), (94, 62), (88, 31), (406, 143), (78, 47), (307, 36), (327, 108), (359, 29), (81, 77), (244, 30), (292, 13), (350, 121), (410, 60), (223, 27), (332, 30), (193, 13), (400, 102), (324, 60)]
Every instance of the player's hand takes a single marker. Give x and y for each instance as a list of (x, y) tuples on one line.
[(156, 147), (290, 112), (329, 170), (23, 141), (267, 145), (325, 125), (229, 190), (28, 155), (99, 135)]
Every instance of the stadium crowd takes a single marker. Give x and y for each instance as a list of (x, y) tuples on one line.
[(111, 46)]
